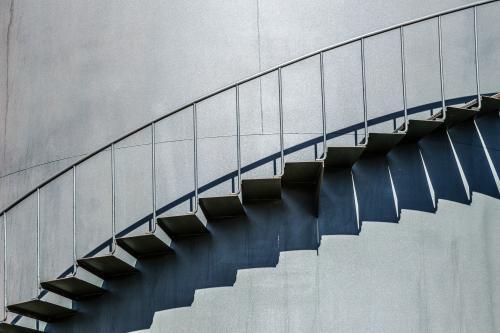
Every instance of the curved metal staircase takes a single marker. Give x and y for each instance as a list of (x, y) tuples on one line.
[(55, 300)]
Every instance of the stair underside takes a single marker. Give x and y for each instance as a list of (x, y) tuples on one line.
[(73, 288), (217, 208), (381, 143), (41, 310), (343, 157), (9, 328), (106, 266), (181, 226), (255, 190), (144, 246), (302, 172)]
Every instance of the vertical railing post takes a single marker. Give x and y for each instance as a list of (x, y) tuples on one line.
[(38, 240), (238, 136), (195, 157), (75, 267), (363, 79), (323, 102), (113, 200), (403, 76), (280, 109), (4, 266), (476, 59), (441, 68), (153, 178)]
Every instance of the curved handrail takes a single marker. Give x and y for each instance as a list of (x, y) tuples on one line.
[(243, 81)]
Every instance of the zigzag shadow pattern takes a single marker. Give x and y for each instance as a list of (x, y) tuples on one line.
[(402, 179)]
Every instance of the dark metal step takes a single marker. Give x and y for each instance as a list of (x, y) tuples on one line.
[(302, 172), (182, 226), (381, 143), (263, 189), (42, 310), (217, 208), (107, 266), (417, 129), (455, 115), (73, 288), (490, 104), (343, 157), (9, 328), (146, 245)]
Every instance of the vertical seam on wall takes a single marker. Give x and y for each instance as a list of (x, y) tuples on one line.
[(7, 52), (260, 69)]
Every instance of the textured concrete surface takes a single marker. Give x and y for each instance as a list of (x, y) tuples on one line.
[(429, 273), (86, 73)]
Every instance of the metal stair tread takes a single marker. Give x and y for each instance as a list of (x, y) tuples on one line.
[(146, 245), (73, 288), (107, 266), (261, 189)]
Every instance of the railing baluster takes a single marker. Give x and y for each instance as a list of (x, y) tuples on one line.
[(403, 76), (323, 101), (4, 266), (38, 240), (113, 200), (476, 59), (153, 177), (75, 267), (282, 143), (238, 136), (195, 157), (363, 79), (441, 69)]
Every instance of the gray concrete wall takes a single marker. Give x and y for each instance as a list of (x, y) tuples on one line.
[(429, 273), (83, 73), (76, 75)]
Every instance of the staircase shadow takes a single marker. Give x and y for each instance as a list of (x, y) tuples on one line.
[(374, 190), (489, 127), (442, 167), (410, 180), (201, 262), (471, 154), (337, 213), (269, 228)]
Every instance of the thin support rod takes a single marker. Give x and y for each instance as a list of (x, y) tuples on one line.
[(323, 102), (153, 177), (403, 77), (5, 266), (75, 265), (238, 136), (195, 156), (441, 68), (476, 59), (38, 238), (282, 143), (363, 79), (113, 200)]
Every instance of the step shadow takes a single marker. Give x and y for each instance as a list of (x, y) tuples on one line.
[(409, 177), (374, 190), (208, 261), (442, 167), (337, 213), (471, 154), (489, 127)]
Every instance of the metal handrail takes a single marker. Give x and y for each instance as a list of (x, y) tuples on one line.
[(250, 78)]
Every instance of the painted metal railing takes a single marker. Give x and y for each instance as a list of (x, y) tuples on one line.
[(236, 86)]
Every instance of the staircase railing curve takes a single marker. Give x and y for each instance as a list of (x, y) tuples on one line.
[(236, 87)]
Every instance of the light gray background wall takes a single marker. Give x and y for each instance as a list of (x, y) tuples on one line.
[(75, 75)]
